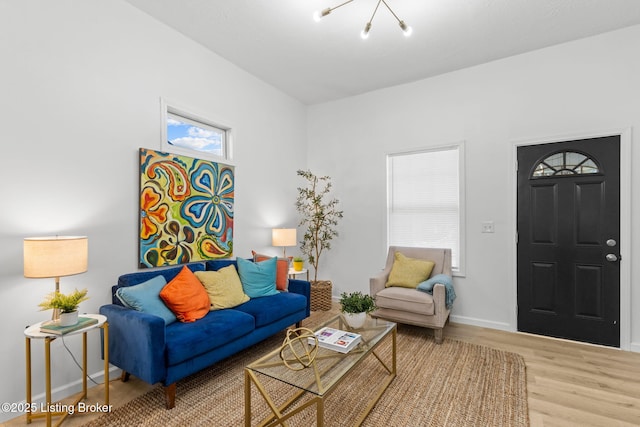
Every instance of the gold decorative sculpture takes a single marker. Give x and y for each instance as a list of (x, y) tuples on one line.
[(296, 351)]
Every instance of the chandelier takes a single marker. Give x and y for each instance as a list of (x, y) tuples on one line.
[(407, 30)]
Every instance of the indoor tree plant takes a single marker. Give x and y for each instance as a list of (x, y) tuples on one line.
[(320, 215), (67, 304), (356, 306)]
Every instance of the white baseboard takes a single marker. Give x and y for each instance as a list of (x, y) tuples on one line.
[(74, 387), (502, 326), (481, 322), (63, 392)]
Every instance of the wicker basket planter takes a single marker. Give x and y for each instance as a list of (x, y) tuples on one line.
[(321, 295)]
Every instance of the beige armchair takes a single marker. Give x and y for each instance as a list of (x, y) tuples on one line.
[(411, 306)]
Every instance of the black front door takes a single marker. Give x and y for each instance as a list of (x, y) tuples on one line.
[(569, 240)]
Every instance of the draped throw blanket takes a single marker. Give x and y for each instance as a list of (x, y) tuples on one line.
[(446, 280)]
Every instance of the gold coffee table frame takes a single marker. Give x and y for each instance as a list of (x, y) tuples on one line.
[(323, 376)]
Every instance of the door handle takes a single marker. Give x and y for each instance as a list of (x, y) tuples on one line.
[(611, 258)]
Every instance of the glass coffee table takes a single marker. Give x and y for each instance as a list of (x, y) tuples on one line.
[(323, 375)]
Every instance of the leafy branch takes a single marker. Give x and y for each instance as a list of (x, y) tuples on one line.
[(67, 303), (319, 215)]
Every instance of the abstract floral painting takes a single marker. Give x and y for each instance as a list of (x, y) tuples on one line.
[(186, 209)]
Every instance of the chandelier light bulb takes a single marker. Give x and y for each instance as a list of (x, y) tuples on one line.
[(407, 30), (365, 33), (318, 15)]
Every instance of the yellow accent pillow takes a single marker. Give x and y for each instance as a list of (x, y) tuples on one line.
[(223, 287), (409, 272)]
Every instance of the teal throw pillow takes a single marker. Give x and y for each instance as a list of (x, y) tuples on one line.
[(258, 278), (145, 297)]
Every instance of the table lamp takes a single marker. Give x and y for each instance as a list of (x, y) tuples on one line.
[(283, 237), (58, 256)]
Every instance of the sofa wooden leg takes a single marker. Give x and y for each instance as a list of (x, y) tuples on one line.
[(170, 395), (438, 333), (124, 376), (298, 324)]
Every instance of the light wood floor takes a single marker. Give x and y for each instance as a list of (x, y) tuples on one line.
[(569, 384)]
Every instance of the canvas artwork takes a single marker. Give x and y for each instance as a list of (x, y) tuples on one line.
[(186, 209)]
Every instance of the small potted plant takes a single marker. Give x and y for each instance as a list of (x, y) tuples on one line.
[(356, 306), (66, 304), (298, 263)]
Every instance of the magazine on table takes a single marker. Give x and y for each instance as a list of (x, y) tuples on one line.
[(336, 339), (54, 328)]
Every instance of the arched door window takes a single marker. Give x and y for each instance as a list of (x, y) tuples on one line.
[(565, 163)]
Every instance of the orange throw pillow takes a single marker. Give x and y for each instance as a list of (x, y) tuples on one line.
[(282, 270), (186, 297)]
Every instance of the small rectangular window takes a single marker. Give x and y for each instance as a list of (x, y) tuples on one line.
[(424, 200), (191, 134)]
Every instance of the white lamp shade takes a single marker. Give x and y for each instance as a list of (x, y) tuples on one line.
[(55, 256), (283, 237)]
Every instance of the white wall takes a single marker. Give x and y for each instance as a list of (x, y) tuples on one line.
[(80, 85), (578, 88)]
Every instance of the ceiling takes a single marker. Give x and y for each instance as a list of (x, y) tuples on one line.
[(279, 42)]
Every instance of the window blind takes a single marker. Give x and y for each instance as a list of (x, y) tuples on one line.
[(424, 200)]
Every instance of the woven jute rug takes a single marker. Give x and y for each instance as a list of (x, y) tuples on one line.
[(452, 384)]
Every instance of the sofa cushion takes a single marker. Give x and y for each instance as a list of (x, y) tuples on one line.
[(272, 308), (131, 279), (217, 264), (145, 297), (409, 272), (258, 278), (185, 341), (282, 269), (186, 297), (223, 287), (405, 299)]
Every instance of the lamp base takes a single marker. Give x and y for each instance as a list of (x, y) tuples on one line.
[(55, 315)]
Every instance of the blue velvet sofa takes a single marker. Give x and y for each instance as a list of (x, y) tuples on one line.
[(141, 344)]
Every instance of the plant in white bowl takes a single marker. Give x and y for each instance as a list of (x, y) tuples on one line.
[(66, 304), (356, 306)]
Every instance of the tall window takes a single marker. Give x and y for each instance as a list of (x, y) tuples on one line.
[(424, 200)]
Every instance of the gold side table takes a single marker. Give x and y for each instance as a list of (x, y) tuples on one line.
[(33, 332)]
